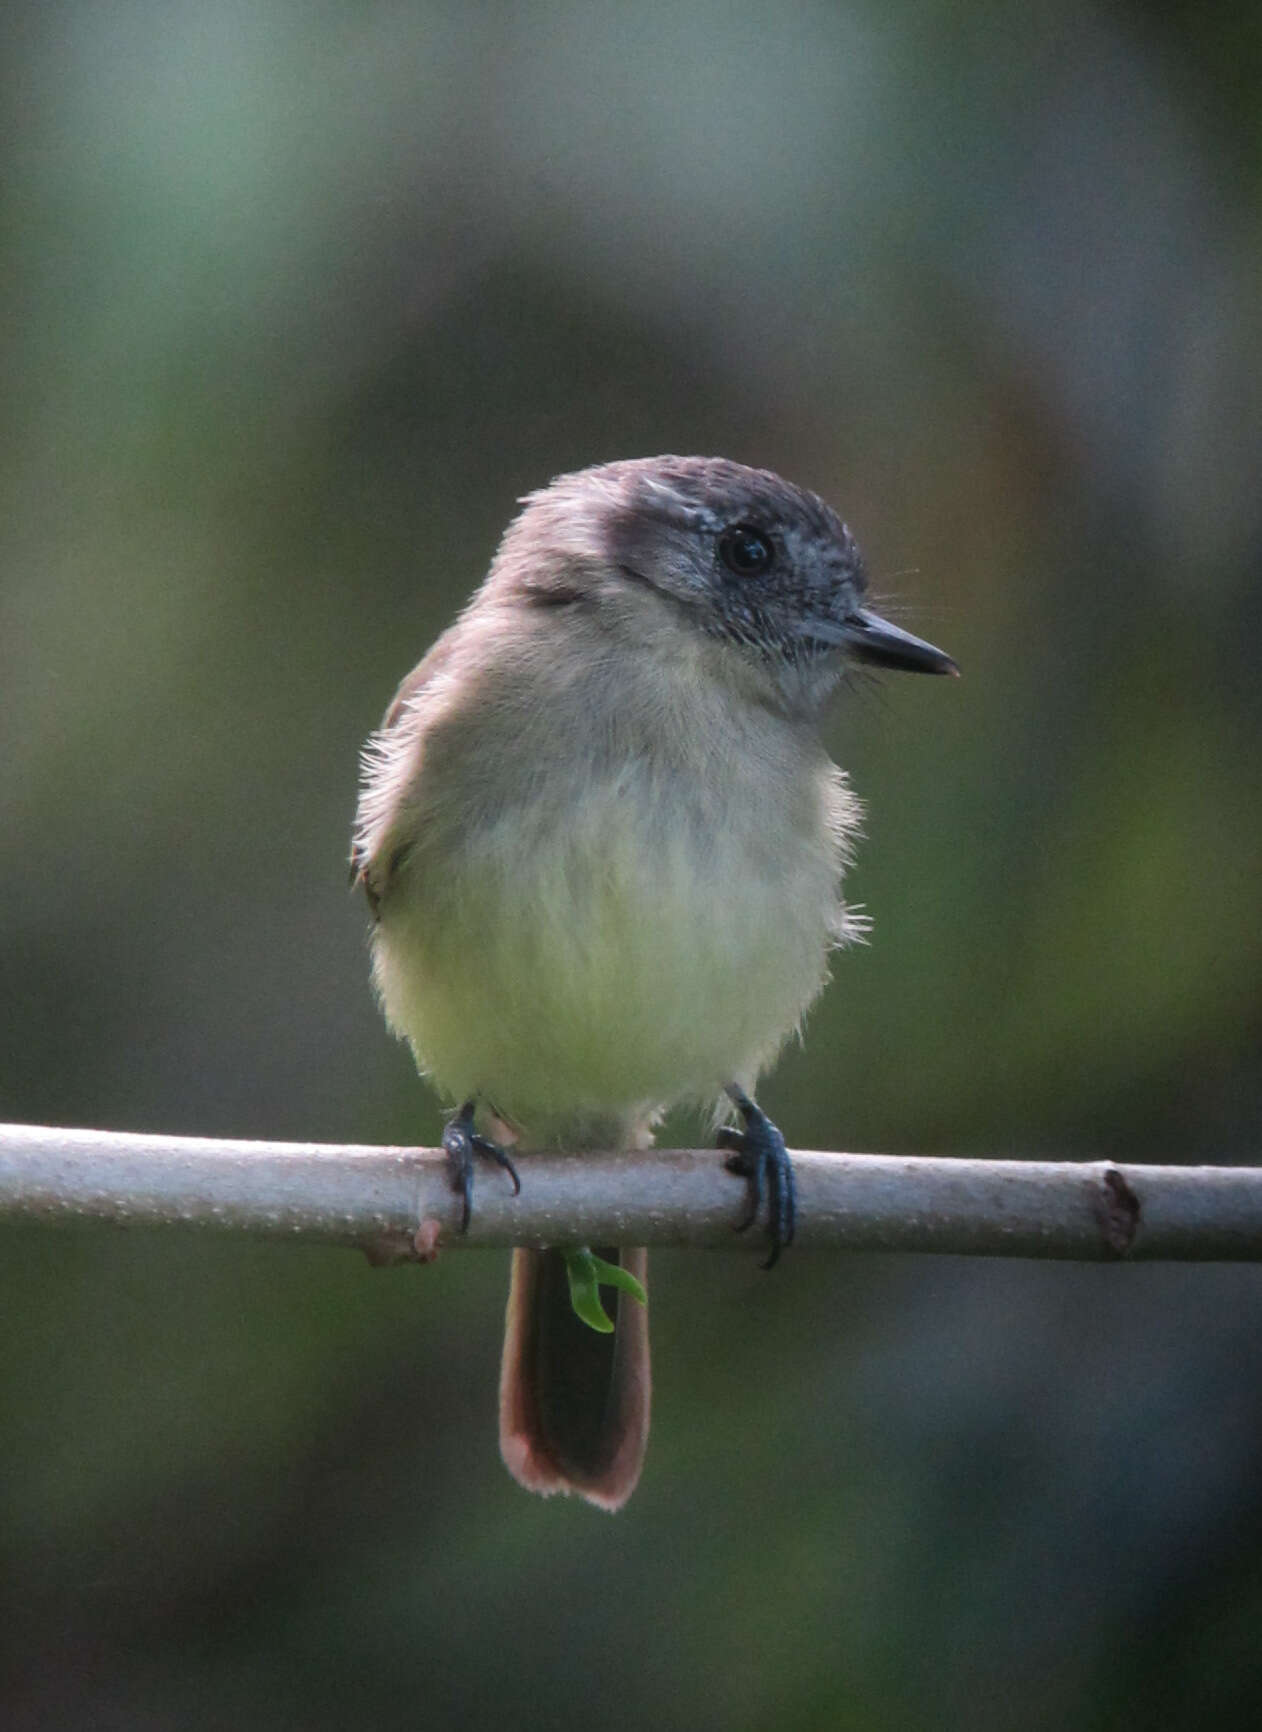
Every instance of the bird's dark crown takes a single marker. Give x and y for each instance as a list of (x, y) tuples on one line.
[(661, 519)]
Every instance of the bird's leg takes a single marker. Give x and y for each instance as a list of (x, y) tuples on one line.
[(461, 1143), (760, 1157)]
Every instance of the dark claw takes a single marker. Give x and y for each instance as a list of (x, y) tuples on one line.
[(761, 1159), (462, 1142), (745, 1168)]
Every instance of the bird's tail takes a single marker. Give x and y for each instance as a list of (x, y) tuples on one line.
[(574, 1404)]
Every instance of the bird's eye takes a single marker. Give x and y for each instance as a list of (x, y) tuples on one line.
[(745, 551)]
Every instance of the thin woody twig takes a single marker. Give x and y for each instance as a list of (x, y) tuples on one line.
[(398, 1203)]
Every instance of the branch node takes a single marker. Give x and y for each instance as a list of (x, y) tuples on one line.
[(1117, 1210), (385, 1249), (425, 1240)]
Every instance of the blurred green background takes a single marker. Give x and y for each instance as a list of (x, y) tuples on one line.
[(296, 301)]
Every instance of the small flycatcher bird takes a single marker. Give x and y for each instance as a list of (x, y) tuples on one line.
[(602, 843)]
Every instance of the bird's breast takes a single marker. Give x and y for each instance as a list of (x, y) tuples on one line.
[(617, 929)]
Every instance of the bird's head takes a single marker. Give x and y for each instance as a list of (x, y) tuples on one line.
[(739, 555)]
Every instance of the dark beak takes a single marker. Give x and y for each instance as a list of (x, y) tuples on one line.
[(869, 638)]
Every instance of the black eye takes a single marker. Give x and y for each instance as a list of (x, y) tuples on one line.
[(745, 551)]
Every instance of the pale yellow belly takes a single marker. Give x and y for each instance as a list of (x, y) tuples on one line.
[(587, 965)]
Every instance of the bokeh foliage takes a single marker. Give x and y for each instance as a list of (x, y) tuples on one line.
[(297, 300)]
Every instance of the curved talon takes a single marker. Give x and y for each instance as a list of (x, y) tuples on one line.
[(761, 1158), (500, 1156), (744, 1167), (461, 1142)]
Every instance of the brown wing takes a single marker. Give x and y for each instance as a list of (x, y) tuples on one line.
[(374, 870)]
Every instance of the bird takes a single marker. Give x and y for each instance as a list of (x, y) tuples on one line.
[(603, 844)]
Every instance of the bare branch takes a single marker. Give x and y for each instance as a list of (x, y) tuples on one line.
[(397, 1202)]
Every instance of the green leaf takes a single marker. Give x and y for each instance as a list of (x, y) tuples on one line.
[(587, 1275), (614, 1275)]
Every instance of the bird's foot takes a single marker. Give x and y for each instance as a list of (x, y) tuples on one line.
[(462, 1143), (760, 1157)]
